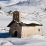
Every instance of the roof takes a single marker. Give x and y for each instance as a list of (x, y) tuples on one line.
[(32, 23), (27, 23), (11, 23)]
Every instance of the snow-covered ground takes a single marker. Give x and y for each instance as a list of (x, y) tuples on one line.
[(35, 40)]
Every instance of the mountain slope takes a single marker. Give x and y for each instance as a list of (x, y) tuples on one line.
[(4, 19), (2, 4), (27, 3), (30, 2)]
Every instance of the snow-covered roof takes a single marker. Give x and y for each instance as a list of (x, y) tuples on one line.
[(29, 22)]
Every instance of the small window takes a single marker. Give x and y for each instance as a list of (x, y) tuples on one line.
[(38, 29)]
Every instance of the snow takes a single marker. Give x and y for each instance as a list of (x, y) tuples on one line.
[(5, 43), (35, 40), (28, 41), (32, 14), (14, 1), (2, 4), (29, 22), (3, 13), (5, 40), (4, 19), (38, 37)]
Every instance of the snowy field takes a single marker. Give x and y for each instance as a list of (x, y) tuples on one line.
[(35, 40)]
